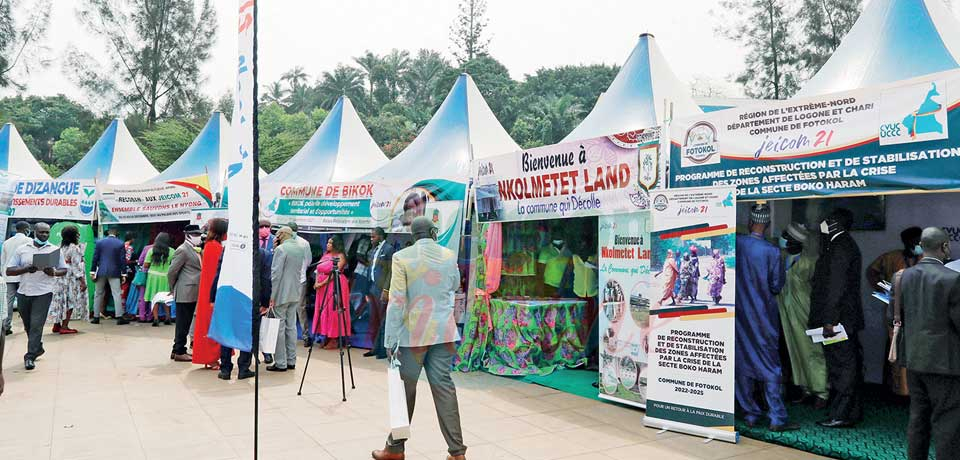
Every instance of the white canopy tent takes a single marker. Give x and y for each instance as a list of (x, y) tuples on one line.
[(892, 40), (16, 158), (115, 159), (639, 97), (206, 155)]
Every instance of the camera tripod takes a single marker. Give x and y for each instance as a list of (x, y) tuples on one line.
[(343, 341)]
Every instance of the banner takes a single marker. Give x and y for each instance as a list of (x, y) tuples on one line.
[(232, 322), (603, 175), (53, 199), (200, 216), (691, 337), (352, 205), (159, 202), (884, 139), (625, 291)]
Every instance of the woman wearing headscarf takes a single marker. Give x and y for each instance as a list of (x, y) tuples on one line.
[(157, 264), (806, 358), (694, 274), (686, 273), (206, 351), (669, 266), (718, 277), (70, 295), (329, 319)]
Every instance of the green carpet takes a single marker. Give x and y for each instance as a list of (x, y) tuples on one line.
[(881, 435)]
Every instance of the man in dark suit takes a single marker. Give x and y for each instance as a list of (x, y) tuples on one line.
[(930, 295), (246, 357), (109, 259), (184, 280), (835, 300), (380, 264)]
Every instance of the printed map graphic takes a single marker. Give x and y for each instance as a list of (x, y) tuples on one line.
[(923, 120)]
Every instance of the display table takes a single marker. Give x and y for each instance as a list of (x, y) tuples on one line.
[(529, 336)]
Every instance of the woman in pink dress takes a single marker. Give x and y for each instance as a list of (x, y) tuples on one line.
[(330, 322), (669, 266)]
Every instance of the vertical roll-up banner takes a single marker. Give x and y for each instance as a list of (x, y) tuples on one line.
[(232, 322)]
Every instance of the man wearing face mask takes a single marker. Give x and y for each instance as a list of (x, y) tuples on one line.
[(184, 280), (930, 296), (836, 300), (806, 358), (759, 280), (36, 289), (883, 268)]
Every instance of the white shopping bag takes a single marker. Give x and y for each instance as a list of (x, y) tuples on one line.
[(399, 419), (269, 331)]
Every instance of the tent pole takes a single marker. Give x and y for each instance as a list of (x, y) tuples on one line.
[(255, 219)]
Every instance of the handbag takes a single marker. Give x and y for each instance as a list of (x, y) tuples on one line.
[(140, 279), (399, 417), (897, 337), (269, 332)]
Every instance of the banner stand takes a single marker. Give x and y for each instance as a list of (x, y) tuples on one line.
[(708, 433)]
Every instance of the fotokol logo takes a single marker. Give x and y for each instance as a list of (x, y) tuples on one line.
[(700, 144), (660, 202)]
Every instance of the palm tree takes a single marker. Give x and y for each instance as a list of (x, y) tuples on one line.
[(274, 93), (301, 99), (422, 75), (294, 77), (393, 68), (559, 115), (344, 81), (371, 65)]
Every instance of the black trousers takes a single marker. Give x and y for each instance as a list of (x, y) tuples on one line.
[(934, 410), (246, 357), (33, 311), (845, 376), (185, 312)]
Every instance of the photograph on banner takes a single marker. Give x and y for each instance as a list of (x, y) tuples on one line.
[(416, 200), (200, 216), (54, 199), (888, 138), (157, 202), (691, 339), (624, 281), (8, 183), (602, 175)]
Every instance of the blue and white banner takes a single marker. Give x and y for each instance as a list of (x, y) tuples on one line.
[(232, 323)]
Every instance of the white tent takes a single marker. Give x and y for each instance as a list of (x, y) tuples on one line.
[(340, 150), (892, 40), (463, 128), (115, 159), (16, 158), (206, 155), (639, 97)]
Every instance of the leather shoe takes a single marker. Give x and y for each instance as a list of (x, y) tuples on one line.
[(223, 374), (95, 321), (384, 455), (29, 364), (274, 368), (784, 427), (291, 367), (267, 358), (244, 374), (121, 321), (834, 423), (184, 358), (8, 331), (369, 354), (820, 404)]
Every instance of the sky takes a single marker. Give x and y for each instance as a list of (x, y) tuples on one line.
[(525, 36)]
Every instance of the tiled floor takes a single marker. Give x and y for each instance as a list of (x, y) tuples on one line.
[(112, 393)]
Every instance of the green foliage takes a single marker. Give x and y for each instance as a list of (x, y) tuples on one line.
[(773, 69), (21, 35), (40, 121), (167, 140), (467, 32), (69, 149), (283, 134), (825, 24)]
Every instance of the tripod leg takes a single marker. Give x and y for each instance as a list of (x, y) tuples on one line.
[(305, 366)]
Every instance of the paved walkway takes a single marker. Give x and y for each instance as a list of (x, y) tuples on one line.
[(112, 393)]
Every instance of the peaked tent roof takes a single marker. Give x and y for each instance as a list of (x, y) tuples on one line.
[(638, 96), (340, 150), (16, 158), (892, 40), (207, 154), (115, 159), (463, 128)]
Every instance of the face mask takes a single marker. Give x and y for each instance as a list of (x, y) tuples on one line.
[(917, 250), (824, 228), (783, 243), (40, 243), (193, 239), (557, 242), (264, 232)]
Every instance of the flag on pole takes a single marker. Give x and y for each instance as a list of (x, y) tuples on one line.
[(232, 322)]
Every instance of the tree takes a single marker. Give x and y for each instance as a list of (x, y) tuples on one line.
[(826, 22), (225, 104), (283, 134), (41, 120), (69, 149), (167, 140), (467, 31), (493, 80), (274, 93), (294, 77), (301, 98), (772, 62), (558, 115), (370, 63), (423, 75), (156, 48), (20, 43), (390, 76), (343, 81)]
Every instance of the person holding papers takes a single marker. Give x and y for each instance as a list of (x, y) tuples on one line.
[(930, 295), (759, 280), (37, 264), (835, 300)]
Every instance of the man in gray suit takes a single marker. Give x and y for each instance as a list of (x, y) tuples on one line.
[(424, 280), (184, 279), (285, 297), (930, 295)]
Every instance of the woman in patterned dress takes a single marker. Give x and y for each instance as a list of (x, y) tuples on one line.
[(718, 277), (70, 296)]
